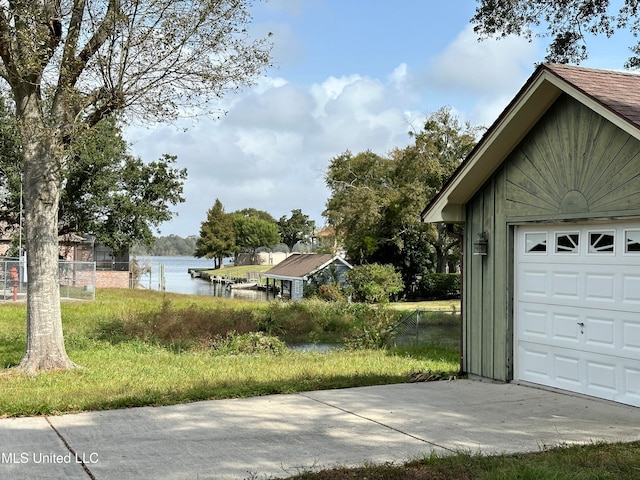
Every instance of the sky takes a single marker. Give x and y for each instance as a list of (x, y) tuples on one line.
[(349, 75)]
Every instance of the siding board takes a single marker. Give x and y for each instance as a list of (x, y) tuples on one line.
[(474, 311), (488, 293), (500, 318)]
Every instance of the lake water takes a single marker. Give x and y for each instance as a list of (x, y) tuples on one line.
[(178, 280)]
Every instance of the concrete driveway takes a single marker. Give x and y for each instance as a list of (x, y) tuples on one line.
[(281, 435)]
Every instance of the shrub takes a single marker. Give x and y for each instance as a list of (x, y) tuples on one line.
[(440, 286), (252, 343), (372, 331), (305, 320), (374, 283), (331, 293), (172, 325)]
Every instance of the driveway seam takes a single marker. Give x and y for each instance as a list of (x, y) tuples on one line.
[(71, 450), (379, 423)]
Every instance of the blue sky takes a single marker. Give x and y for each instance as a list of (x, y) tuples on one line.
[(350, 75)]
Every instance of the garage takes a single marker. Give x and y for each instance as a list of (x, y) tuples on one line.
[(548, 203), (578, 308)]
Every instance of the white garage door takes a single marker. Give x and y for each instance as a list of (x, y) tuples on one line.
[(577, 310)]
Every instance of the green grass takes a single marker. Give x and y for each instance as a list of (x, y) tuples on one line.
[(619, 461), (239, 271), (147, 348), (452, 305)]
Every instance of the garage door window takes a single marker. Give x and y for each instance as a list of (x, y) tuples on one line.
[(567, 242), (601, 242), (632, 241), (535, 243)]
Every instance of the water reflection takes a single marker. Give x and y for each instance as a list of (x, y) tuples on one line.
[(316, 347)]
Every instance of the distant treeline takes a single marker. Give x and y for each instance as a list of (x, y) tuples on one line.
[(171, 245)]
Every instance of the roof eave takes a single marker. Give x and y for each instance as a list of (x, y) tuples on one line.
[(281, 277), (533, 100)]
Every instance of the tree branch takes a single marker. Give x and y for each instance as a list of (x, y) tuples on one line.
[(76, 64)]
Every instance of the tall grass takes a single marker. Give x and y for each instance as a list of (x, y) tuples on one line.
[(148, 348)]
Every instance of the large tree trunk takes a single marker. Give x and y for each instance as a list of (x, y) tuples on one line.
[(45, 341)]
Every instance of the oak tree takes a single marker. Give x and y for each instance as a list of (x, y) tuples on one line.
[(375, 201), (70, 63), (253, 229), (105, 191), (568, 23), (114, 196)]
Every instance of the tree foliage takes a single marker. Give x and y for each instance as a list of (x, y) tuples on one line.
[(567, 23), (296, 228), (253, 229), (217, 236), (10, 166), (112, 195), (168, 245), (360, 190), (375, 201), (247, 230), (106, 192), (71, 63)]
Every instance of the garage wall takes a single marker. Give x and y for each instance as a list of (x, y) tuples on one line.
[(573, 166)]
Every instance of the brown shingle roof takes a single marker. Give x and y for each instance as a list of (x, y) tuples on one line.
[(299, 265), (615, 90)]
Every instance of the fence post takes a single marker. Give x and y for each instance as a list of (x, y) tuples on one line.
[(161, 278), (13, 273)]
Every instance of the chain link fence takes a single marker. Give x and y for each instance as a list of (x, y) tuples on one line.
[(77, 280), (12, 286), (422, 327)]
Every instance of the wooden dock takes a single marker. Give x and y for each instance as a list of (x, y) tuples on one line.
[(253, 279)]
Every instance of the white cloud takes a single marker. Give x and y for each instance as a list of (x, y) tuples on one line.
[(398, 77), (483, 75), (271, 150), (482, 67)]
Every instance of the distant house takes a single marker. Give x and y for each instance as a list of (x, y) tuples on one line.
[(325, 239), (68, 243), (295, 272), (112, 270)]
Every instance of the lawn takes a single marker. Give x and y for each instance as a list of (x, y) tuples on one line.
[(235, 271), (453, 305), (619, 461)]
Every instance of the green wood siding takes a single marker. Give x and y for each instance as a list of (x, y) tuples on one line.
[(486, 329), (573, 165)]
